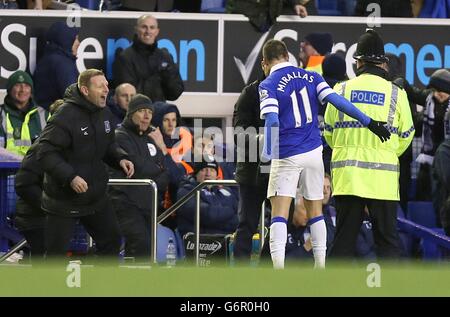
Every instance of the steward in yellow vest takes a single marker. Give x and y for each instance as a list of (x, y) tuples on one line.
[(21, 121), (365, 171)]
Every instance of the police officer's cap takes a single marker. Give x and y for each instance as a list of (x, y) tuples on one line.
[(370, 48)]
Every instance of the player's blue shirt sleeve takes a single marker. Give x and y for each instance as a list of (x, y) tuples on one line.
[(267, 100), (327, 95)]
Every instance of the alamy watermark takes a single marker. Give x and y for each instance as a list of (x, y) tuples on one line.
[(74, 277), (374, 277)]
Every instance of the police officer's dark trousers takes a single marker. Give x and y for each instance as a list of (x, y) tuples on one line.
[(349, 218)]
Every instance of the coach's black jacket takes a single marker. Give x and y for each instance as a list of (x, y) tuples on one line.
[(150, 69), (78, 140), (247, 115)]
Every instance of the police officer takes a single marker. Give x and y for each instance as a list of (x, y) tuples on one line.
[(365, 171)]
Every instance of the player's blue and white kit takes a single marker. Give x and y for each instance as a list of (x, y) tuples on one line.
[(295, 95)]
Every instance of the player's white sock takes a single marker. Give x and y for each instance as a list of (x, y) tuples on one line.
[(278, 238), (318, 231)]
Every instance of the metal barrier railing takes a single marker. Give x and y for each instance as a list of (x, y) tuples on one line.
[(154, 207), (118, 182), (196, 191)]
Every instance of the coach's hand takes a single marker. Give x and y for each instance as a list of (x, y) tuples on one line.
[(378, 128)]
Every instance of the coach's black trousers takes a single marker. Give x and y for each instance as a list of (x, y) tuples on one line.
[(349, 217), (101, 226)]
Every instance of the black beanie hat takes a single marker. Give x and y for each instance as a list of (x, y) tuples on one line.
[(440, 80), (334, 66), (138, 102), (201, 165), (322, 42), (370, 48)]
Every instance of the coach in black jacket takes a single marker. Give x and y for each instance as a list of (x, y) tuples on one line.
[(253, 189), (148, 68), (132, 204), (74, 147)]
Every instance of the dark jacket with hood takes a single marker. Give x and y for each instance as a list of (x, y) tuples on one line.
[(56, 70), (148, 163), (150, 69), (77, 141), (176, 171)]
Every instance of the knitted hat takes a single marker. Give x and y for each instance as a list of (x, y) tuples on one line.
[(370, 48), (440, 80), (334, 66), (201, 165), (139, 102), (322, 42), (17, 78)]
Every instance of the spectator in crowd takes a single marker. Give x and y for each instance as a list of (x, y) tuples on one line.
[(263, 14), (441, 175), (313, 49), (177, 138), (148, 68), (21, 120), (218, 205), (205, 149), (119, 103), (433, 129), (334, 69), (146, 149), (30, 218), (57, 68), (431, 8), (416, 96), (149, 6), (178, 141), (387, 8), (73, 150)]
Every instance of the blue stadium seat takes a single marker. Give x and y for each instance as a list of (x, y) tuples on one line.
[(213, 6), (422, 213), (400, 213), (89, 4)]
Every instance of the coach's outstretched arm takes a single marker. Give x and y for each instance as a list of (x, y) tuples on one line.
[(377, 127)]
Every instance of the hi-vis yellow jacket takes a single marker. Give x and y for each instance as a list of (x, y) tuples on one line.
[(361, 165)]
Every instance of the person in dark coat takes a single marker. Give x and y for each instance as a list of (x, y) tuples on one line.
[(218, 205), (118, 103), (146, 149), (252, 190), (30, 218), (148, 68), (441, 175), (74, 147), (57, 69), (388, 8)]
